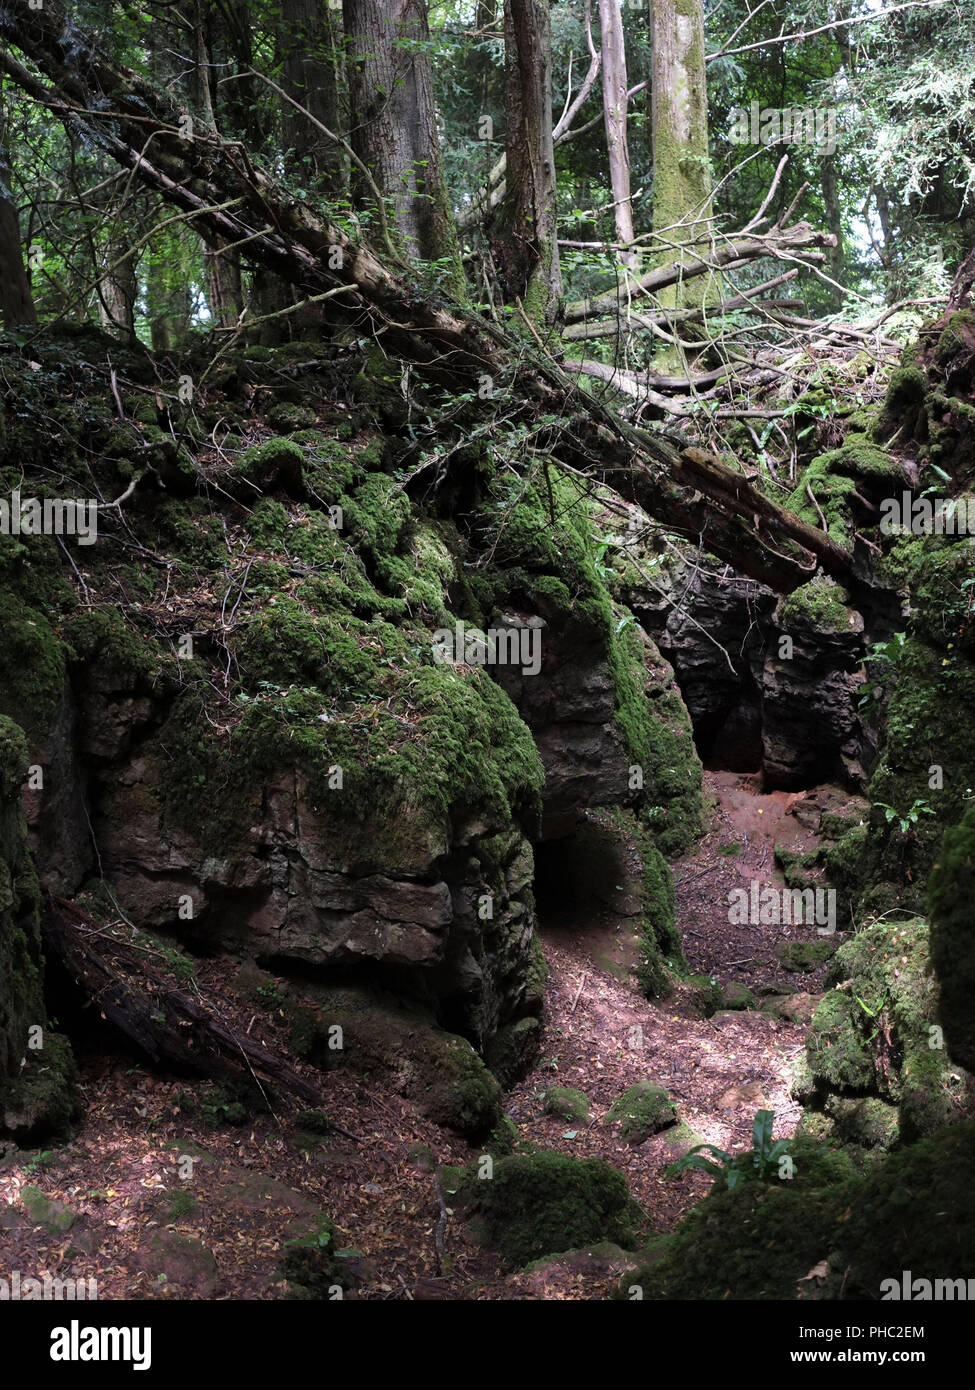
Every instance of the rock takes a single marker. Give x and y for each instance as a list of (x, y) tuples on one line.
[(55, 1217), (644, 1109), (805, 956), (543, 1203), (565, 1102), (737, 996)]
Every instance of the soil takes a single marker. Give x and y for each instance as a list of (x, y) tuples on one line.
[(148, 1223)]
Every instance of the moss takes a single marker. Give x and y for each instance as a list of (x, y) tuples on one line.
[(821, 604), (546, 1203), (913, 1211), (277, 463), (737, 997), (284, 643), (660, 944), (958, 335), (644, 1109), (54, 1217), (565, 1102), (32, 677), (705, 994), (804, 956), (287, 418), (835, 1048), (951, 892)]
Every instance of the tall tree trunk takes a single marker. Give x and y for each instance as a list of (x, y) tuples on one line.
[(224, 291), (310, 38), (524, 231), (614, 118), (118, 287), (681, 166), (834, 216), (394, 126), (16, 301)]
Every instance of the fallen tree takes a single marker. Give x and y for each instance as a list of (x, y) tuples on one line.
[(167, 1027), (229, 200)]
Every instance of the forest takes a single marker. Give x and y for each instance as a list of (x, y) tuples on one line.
[(487, 590)]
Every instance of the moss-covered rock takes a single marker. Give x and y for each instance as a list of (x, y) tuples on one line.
[(641, 1111), (537, 1205), (566, 1102), (804, 956)]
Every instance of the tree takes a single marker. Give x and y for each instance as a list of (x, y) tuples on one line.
[(394, 126), (524, 230), (681, 161), (614, 116), (16, 301)]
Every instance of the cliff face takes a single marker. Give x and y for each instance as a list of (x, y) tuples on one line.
[(268, 703)]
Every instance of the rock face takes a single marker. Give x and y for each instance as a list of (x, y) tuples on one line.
[(36, 1068), (771, 685)]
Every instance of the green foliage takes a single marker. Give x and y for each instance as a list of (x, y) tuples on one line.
[(762, 1163)]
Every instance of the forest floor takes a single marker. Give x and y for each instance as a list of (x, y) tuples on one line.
[(158, 1206)]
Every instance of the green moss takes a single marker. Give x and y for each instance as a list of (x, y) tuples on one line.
[(804, 956), (32, 676), (821, 604), (277, 463), (835, 1048), (287, 418), (958, 335), (737, 997), (545, 1203), (311, 1264), (567, 1103), (644, 1109), (951, 892)]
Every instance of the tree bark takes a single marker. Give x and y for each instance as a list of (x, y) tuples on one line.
[(681, 164), (524, 231), (394, 127), (16, 301), (614, 119)]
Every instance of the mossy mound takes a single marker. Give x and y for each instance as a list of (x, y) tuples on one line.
[(875, 1052), (834, 478), (821, 606), (914, 1210), (737, 997), (641, 1111), (804, 956), (542, 1204), (566, 1102)]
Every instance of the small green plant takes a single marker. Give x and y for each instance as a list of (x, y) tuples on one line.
[(907, 821), (763, 1161), (40, 1160), (269, 994), (885, 654)]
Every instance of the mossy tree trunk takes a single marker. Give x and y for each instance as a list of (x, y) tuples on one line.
[(681, 166), (394, 127), (524, 231)]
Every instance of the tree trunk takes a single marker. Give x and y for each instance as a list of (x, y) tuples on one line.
[(834, 216), (614, 118), (524, 231), (118, 288), (681, 166), (224, 291), (394, 127), (16, 301)]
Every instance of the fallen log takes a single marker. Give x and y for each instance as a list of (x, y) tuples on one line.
[(169, 1028)]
